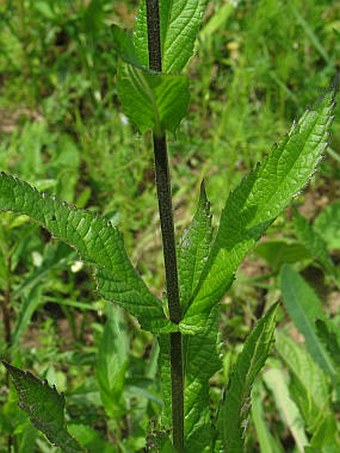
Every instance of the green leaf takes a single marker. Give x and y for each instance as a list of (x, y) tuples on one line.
[(91, 439), (327, 225), (124, 45), (330, 336), (275, 380), (304, 307), (232, 418), (97, 241), (113, 357), (194, 249), (314, 243), (309, 386), (200, 351), (45, 407), (202, 360), (152, 101), (180, 21), (253, 206), (165, 372), (267, 443), (279, 251)]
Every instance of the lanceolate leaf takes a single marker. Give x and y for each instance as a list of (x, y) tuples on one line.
[(113, 357), (98, 242), (202, 360), (153, 101), (45, 407), (309, 385), (253, 206), (304, 307), (267, 443), (289, 413), (194, 249), (327, 224), (180, 21), (314, 243), (330, 336), (124, 45), (232, 418)]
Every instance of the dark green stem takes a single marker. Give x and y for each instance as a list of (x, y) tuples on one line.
[(168, 238)]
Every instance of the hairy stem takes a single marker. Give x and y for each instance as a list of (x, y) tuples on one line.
[(163, 184)]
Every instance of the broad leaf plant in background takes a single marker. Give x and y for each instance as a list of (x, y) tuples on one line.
[(154, 93)]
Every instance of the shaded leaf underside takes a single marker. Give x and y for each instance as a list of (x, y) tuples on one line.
[(45, 407)]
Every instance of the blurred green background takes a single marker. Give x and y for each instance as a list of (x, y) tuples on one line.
[(257, 66)]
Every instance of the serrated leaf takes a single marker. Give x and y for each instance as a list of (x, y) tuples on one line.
[(330, 336), (153, 101), (253, 206), (314, 243), (233, 414), (194, 249), (327, 225), (179, 24), (45, 407), (201, 353), (201, 361), (97, 241), (304, 308)]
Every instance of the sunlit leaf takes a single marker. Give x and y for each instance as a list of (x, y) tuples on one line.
[(194, 249), (180, 21), (97, 241), (253, 206)]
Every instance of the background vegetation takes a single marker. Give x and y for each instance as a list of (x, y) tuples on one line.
[(257, 66)]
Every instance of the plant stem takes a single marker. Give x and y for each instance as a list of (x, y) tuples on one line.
[(163, 184)]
